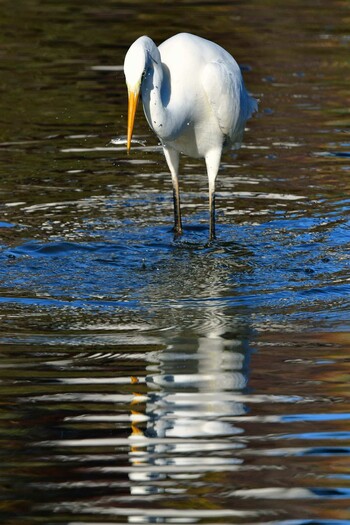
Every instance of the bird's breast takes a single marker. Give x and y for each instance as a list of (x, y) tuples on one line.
[(179, 113)]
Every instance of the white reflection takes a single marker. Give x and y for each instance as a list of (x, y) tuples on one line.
[(184, 429)]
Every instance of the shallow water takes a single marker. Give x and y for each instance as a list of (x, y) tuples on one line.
[(152, 380)]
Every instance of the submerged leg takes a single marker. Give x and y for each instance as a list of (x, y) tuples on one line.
[(172, 158), (212, 161)]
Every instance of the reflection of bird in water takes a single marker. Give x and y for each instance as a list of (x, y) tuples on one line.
[(194, 99), (194, 393)]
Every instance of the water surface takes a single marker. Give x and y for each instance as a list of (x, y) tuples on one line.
[(152, 380)]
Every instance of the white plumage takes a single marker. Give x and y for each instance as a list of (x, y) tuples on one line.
[(194, 100)]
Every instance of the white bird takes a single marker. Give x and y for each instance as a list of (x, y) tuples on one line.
[(194, 100)]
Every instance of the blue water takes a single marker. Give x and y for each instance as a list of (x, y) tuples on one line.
[(296, 266)]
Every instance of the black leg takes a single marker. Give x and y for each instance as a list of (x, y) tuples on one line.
[(172, 158), (212, 214), (177, 209)]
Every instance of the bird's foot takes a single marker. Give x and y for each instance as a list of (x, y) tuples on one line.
[(177, 232), (212, 236)]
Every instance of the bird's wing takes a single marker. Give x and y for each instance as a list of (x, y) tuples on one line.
[(228, 98)]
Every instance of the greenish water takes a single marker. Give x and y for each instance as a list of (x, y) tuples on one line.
[(147, 380)]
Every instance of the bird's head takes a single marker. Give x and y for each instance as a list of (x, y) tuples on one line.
[(135, 66)]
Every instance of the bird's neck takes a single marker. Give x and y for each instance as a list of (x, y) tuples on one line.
[(155, 97)]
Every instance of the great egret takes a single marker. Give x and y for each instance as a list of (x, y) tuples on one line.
[(194, 100)]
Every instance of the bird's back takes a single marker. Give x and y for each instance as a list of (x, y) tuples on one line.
[(185, 56), (184, 51), (206, 82)]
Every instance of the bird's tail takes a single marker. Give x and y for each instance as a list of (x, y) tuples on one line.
[(252, 106)]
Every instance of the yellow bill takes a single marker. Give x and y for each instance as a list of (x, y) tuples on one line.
[(133, 97)]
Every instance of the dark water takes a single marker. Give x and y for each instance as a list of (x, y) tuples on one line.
[(147, 380)]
